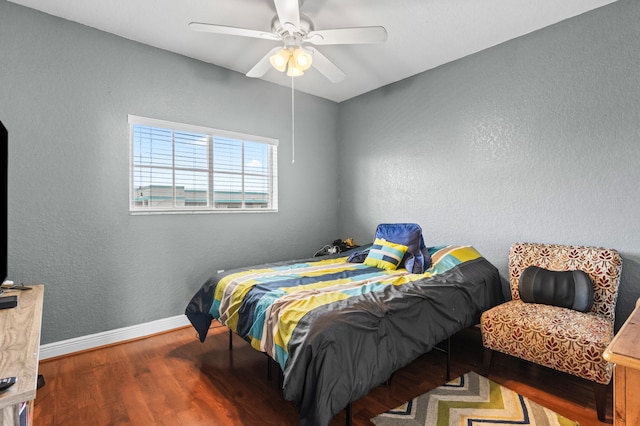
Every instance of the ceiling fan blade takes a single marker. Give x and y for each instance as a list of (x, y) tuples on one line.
[(288, 14), (263, 65), (325, 66), (235, 31), (356, 35)]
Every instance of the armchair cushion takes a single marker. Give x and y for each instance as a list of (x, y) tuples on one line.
[(567, 289), (602, 265), (552, 336)]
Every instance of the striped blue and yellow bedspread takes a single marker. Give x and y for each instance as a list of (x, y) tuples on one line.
[(265, 305), (339, 329)]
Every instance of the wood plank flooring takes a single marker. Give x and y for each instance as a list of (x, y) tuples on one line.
[(173, 379)]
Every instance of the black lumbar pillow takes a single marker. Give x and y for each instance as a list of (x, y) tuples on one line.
[(567, 289)]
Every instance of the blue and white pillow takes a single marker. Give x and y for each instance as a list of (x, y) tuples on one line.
[(417, 259)]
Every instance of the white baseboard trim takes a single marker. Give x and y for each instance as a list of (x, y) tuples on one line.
[(92, 341)]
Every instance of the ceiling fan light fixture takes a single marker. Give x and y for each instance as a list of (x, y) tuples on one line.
[(295, 30), (280, 59), (302, 59), (292, 69)]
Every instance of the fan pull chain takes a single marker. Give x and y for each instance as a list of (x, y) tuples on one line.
[(293, 125)]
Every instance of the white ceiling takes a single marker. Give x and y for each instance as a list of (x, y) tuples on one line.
[(422, 34)]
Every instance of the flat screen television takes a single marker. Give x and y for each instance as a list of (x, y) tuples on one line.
[(4, 152)]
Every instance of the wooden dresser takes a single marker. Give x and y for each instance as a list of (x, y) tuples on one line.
[(19, 353), (624, 352)]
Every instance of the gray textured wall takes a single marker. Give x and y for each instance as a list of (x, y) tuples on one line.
[(65, 93), (537, 139)]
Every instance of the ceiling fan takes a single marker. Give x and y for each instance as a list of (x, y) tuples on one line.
[(296, 32)]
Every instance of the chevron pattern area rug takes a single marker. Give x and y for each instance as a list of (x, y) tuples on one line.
[(471, 400)]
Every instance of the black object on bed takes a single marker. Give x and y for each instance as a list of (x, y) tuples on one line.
[(339, 329)]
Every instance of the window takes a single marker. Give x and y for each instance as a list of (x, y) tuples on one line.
[(182, 168)]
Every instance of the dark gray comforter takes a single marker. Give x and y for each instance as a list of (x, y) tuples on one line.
[(339, 352)]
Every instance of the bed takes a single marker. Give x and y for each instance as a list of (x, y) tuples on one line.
[(339, 328)]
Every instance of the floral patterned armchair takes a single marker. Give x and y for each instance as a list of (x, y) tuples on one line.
[(558, 337)]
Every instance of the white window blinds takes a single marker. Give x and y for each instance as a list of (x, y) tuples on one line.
[(182, 168)]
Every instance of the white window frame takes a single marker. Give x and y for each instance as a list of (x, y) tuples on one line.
[(136, 206)]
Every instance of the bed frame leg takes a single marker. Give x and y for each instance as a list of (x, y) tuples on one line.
[(448, 359), (230, 340), (388, 381), (348, 412), (447, 351), (269, 373)]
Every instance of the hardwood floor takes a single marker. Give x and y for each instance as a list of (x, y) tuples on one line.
[(173, 379)]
